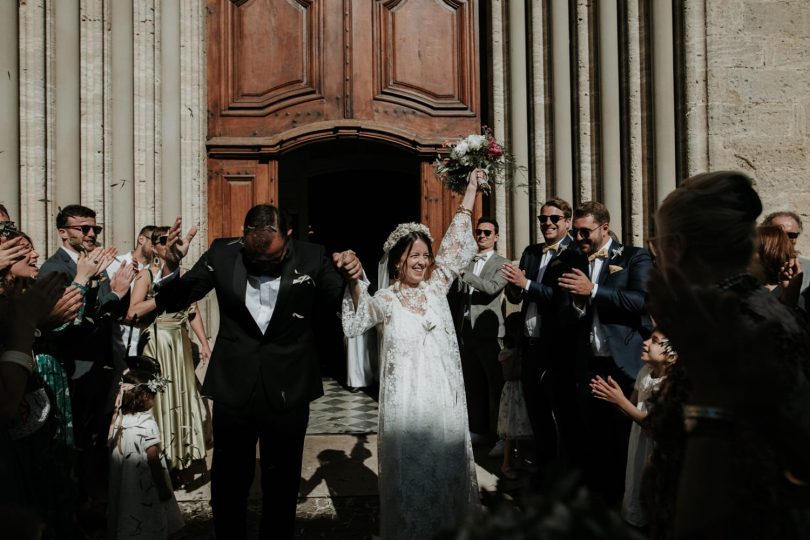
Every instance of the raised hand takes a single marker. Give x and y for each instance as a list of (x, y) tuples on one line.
[(177, 245), (11, 251), (349, 265), (66, 308), (32, 308), (120, 282)]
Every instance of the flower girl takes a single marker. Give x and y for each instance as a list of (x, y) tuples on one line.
[(141, 501), (513, 419), (657, 355)]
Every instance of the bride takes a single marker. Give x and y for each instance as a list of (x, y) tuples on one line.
[(426, 470)]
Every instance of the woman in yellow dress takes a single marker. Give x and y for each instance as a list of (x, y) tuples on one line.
[(179, 411)]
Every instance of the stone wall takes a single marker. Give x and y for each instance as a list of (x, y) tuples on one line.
[(759, 97)]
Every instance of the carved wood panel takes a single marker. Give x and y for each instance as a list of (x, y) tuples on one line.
[(234, 186)]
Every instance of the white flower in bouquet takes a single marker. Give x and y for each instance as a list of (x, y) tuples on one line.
[(475, 142), (459, 150)]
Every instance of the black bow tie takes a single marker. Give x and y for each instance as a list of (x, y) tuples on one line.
[(479, 258)]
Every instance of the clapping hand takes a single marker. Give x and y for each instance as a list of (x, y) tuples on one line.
[(349, 265), (11, 251), (607, 390), (122, 279), (33, 307), (93, 263), (514, 275), (66, 308), (177, 245)]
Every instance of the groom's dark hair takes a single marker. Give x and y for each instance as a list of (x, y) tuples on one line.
[(264, 216)]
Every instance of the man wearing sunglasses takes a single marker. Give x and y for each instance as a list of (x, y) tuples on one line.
[(545, 348), (263, 371), (479, 325), (791, 223), (87, 347), (607, 298)]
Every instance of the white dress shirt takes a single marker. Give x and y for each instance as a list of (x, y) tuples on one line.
[(599, 344), (261, 294), (532, 323)]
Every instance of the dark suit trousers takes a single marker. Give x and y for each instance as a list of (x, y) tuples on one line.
[(280, 435), (483, 380), (607, 433), (537, 394)]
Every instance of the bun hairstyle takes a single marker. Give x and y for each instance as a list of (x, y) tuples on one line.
[(715, 213)]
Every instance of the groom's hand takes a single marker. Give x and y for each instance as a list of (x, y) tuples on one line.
[(349, 265)]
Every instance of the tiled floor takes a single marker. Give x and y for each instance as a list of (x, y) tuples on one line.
[(340, 411)]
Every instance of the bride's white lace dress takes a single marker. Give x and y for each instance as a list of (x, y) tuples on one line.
[(426, 469)]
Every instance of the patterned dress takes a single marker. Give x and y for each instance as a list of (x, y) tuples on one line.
[(427, 477)]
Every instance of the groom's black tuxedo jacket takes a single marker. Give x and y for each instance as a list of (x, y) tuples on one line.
[(283, 359)]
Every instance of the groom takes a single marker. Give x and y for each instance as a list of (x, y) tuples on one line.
[(263, 371)]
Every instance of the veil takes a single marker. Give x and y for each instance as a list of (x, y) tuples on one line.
[(382, 272)]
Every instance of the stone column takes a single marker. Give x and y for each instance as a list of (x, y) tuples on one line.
[(541, 114), (663, 99), (499, 120), (587, 153), (121, 141), (519, 122), (697, 90), (67, 118), (634, 139), (170, 65), (561, 95), (93, 61), (9, 111), (35, 218), (611, 107)]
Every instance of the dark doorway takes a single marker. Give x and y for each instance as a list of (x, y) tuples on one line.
[(340, 220), (343, 195)]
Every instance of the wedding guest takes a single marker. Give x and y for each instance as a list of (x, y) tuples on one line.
[(791, 223), (263, 371), (426, 468), (742, 404), (477, 300), (608, 299), (179, 410), (776, 264)]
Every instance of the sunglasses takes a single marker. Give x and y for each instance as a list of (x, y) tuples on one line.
[(485, 232), (86, 228), (554, 218), (582, 231), (162, 240), (792, 235)]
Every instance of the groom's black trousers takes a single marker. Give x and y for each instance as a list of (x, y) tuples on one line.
[(280, 435)]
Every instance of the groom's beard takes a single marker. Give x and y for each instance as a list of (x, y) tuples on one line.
[(260, 267)]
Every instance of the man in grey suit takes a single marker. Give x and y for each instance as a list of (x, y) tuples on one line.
[(479, 325), (791, 223)]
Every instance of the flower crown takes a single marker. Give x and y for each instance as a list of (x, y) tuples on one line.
[(402, 230), (156, 385)]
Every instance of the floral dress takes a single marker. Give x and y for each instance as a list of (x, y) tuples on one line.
[(427, 477)]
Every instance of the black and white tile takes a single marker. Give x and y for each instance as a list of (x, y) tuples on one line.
[(341, 411)]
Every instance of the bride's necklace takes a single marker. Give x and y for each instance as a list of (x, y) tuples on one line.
[(412, 298)]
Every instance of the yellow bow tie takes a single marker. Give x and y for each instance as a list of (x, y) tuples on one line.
[(601, 254), (553, 248)]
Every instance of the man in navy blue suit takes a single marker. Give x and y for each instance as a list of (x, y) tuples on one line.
[(607, 301)]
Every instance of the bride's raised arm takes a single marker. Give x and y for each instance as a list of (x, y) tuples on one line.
[(458, 246)]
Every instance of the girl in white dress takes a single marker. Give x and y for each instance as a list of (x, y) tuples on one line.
[(426, 470), (657, 355), (141, 503)]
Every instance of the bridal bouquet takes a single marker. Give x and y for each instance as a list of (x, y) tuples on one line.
[(472, 152)]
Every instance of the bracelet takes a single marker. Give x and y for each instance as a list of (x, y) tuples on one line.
[(462, 210), (23, 360), (694, 415)]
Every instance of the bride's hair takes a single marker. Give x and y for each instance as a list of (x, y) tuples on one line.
[(404, 246)]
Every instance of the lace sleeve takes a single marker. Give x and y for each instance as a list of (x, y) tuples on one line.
[(457, 249), (371, 310)]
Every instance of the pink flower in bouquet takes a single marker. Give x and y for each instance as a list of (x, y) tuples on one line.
[(495, 151)]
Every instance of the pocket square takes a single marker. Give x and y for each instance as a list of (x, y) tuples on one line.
[(303, 278), (613, 268), (297, 315)]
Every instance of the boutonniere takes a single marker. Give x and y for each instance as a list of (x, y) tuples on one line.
[(613, 268), (562, 248), (303, 278), (617, 252)]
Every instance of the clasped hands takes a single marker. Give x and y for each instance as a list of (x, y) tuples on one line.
[(349, 265)]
